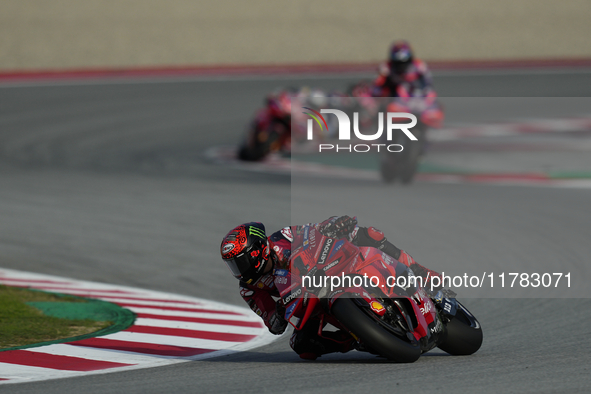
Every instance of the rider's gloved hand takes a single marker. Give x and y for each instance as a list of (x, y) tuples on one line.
[(338, 227), (277, 323)]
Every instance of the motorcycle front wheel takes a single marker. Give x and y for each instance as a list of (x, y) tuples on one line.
[(464, 334)]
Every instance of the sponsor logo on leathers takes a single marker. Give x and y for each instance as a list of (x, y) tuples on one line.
[(287, 299), (286, 232), (244, 292), (325, 250), (331, 265)]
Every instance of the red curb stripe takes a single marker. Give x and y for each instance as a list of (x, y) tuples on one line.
[(508, 63), (174, 308), (329, 68), (67, 289), (254, 324), (488, 178), (64, 363), (33, 281), (186, 71), (494, 177), (182, 332), (141, 347)]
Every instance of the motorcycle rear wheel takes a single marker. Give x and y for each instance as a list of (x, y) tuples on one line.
[(372, 334), (410, 162), (388, 168)]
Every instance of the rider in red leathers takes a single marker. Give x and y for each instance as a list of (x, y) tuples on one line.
[(403, 75), (270, 130), (252, 257), (408, 81)]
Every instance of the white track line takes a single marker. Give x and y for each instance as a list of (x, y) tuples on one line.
[(226, 155), (95, 354), (203, 315), (198, 326), (536, 126)]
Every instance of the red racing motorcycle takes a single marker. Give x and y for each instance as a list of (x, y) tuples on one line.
[(374, 298), (404, 164), (269, 131)]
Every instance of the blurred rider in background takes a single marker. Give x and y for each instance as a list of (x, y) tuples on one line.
[(403, 75), (408, 80)]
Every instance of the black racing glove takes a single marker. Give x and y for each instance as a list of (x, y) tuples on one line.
[(277, 323), (338, 227)]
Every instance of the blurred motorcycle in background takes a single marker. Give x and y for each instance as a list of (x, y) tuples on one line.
[(403, 165), (274, 130), (270, 130)]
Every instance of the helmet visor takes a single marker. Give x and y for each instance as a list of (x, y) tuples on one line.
[(399, 67), (239, 265)]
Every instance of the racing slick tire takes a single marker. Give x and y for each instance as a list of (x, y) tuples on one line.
[(464, 334), (372, 334)]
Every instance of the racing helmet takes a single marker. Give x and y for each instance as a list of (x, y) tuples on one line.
[(400, 57), (245, 250)]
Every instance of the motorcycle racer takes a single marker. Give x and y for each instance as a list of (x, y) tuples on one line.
[(277, 124), (403, 75), (252, 257)]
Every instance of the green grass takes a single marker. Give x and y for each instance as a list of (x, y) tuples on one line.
[(22, 324)]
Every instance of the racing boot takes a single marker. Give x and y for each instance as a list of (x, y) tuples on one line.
[(309, 345)]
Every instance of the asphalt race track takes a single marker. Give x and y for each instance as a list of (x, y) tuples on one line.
[(107, 181)]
